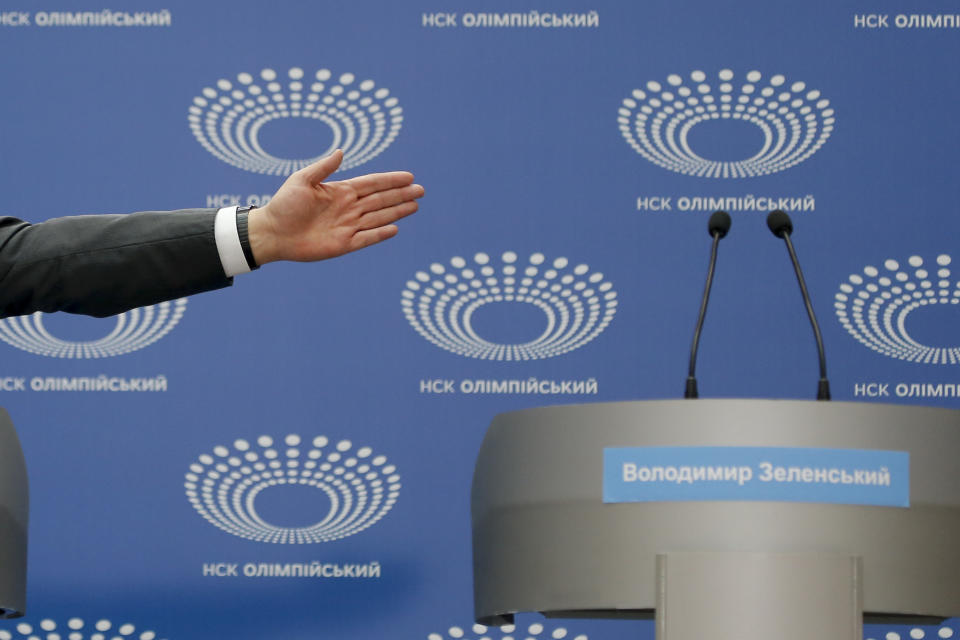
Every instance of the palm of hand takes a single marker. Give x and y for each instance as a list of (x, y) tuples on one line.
[(309, 219)]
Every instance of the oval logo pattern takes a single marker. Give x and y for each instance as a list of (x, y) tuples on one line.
[(223, 486), (228, 117), (577, 303), (656, 121), (132, 330), (873, 306)]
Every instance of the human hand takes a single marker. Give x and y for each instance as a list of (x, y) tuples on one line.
[(308, 219)]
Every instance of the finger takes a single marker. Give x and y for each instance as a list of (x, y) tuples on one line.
[(384, 199), (324, 167), (373, 182), (363, 239), (387, 216)]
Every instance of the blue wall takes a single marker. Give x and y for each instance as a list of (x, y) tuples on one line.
[(555, 153)]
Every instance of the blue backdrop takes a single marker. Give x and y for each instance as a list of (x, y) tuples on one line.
[(572, 153)]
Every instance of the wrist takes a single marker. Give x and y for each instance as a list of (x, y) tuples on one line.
[(261, 236)]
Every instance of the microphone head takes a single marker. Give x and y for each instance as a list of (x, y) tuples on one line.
[(779, 223), (719, 224)]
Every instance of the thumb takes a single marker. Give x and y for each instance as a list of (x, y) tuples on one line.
[(324, 168)]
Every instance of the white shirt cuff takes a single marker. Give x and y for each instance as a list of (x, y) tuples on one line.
[(228, 242)]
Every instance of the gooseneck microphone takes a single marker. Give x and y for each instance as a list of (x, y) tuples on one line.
[(781, 226), (718, 226)]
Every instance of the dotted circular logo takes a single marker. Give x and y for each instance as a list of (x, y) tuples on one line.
[(919, 633), (577, 303), (223, 486), (535, 631), (795, 121), (132, 330), (873, 306), (227, 118), (77, 629)]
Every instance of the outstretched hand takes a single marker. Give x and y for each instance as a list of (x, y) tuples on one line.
[(309, 219)]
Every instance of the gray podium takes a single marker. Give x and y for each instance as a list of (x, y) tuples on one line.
[(14, 508), (544, 540)]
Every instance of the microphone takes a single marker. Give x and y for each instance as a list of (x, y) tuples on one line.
[(717, 226), (781, 226), (779, 223)]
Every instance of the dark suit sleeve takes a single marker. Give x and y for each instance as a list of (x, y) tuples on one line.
[(105, 264)]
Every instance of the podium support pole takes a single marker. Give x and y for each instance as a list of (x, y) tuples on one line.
[(14, 514), (758, 596)]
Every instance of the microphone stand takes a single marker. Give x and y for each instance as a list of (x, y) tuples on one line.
[(780, 225), (718, 226)]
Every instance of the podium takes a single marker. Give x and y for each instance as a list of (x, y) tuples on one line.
[(545, 541), (14, 511)]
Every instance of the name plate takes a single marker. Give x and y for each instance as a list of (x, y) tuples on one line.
[(771, 474)]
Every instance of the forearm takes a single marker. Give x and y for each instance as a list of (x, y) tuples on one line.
[(103, 265)]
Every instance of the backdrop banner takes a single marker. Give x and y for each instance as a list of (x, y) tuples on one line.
[(291, 457)]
